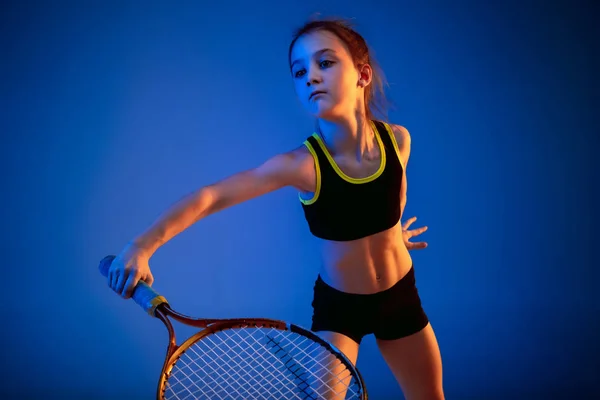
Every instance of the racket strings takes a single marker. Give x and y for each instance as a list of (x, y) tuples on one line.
[(259, 363), (235, 374), (307, 352)]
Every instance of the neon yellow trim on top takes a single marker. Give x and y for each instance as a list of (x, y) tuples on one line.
[(342, 174), (395, 143), (318, 175)]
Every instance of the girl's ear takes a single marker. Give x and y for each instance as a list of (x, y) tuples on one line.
[(365, 75)]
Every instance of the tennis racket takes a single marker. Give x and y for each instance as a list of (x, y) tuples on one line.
[(246, 358)]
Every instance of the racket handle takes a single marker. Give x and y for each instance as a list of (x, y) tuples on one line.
[(143, 295)]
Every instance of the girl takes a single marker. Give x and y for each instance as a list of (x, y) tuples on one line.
[(351, 178)]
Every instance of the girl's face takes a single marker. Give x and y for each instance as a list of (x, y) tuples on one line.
[(325, 78)]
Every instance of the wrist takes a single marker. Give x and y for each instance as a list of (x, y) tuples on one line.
[(141, 247)]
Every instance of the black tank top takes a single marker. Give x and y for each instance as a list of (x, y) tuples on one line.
[(344, 208)]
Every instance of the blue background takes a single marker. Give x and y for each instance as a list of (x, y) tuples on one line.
[(112, 111)]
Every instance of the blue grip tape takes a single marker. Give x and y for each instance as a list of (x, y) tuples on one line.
[(143, 295), (147, 297)]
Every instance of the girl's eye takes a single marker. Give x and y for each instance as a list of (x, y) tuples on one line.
[(322, 64)]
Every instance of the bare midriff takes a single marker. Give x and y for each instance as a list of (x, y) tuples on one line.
[(367, 265)]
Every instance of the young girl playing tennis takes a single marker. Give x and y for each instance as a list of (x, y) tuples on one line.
[(351, 178)]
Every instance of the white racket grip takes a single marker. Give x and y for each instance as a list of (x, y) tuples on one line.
[(143, 295)]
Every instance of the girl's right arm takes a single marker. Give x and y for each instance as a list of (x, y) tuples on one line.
[(286, 169)]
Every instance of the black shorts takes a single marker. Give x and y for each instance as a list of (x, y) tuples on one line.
[(391, 314)]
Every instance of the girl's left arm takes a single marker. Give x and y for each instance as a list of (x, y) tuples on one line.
[(403, 140)]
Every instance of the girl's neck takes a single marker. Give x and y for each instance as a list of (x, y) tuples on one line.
[(352, 136)]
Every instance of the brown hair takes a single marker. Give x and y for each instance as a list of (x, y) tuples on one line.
[(375, 99)]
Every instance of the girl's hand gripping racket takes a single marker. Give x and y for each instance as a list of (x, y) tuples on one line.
[(247, 358)]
